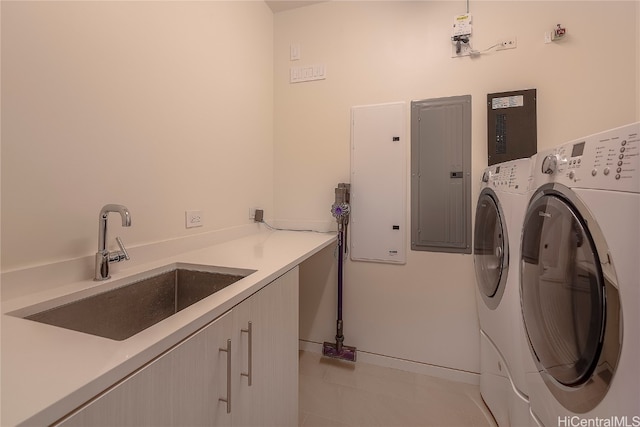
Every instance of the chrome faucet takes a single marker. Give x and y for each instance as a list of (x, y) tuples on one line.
[(103, 256)]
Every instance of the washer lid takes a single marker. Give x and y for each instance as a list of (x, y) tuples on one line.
[(490, 248), (571, 311)]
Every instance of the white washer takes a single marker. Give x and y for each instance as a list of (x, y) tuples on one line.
[(579, 281), (498, 224)]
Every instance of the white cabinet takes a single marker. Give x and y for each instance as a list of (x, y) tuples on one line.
[(272, 397), (189, 383), (181, 387)]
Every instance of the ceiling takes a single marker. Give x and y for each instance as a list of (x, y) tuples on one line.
[(282, 5)]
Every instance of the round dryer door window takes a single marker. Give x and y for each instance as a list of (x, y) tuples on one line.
[(490, 250), (562, 291), (565, 304)]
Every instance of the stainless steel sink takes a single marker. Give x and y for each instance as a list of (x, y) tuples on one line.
[(124, 311)]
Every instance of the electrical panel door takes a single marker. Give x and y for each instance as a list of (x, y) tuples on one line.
[(378, 183), (441, 174)]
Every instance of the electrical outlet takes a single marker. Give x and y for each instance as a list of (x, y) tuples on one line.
[(193, 219), (507, 43)]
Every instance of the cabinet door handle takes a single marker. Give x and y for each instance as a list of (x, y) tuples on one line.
[(227, 400), (248, 374)]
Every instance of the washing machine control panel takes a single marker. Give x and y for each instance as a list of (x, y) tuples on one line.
[(609, 160), (512, 176)]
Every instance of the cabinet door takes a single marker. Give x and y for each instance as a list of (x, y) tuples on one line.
[(181, 387), (272, 398)]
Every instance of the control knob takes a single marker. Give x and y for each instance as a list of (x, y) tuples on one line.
[(550, 164), (485, 176)]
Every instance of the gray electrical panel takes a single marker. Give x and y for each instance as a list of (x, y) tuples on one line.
[(511, 125), (441, 174)]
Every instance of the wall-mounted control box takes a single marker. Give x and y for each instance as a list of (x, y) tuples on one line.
[(511, 125), (461, 25)]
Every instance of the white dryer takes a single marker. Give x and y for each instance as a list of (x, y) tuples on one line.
[(579, 281), (498, 224)]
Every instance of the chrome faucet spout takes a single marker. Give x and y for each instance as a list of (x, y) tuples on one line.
[(121, 209), (103, 256)]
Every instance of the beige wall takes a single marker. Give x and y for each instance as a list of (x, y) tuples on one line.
[(387, 51), (169, 106), (161, 106)]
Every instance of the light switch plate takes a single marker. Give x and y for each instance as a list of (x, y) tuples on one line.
[(294, 52), (307, 73)]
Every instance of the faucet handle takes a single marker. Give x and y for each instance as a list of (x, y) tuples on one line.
[(122, 248), (120, 255)]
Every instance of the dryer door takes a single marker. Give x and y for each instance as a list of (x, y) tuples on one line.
[(571, 313), (490, 248)]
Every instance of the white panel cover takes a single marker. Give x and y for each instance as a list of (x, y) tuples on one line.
[(378, 183)]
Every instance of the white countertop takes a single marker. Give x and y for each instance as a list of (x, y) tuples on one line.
[(48, 371)]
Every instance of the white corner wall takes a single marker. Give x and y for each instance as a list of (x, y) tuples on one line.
[(388, 51), (161, 106)]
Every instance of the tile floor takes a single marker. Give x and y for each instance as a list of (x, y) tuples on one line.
[(340, 394)]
